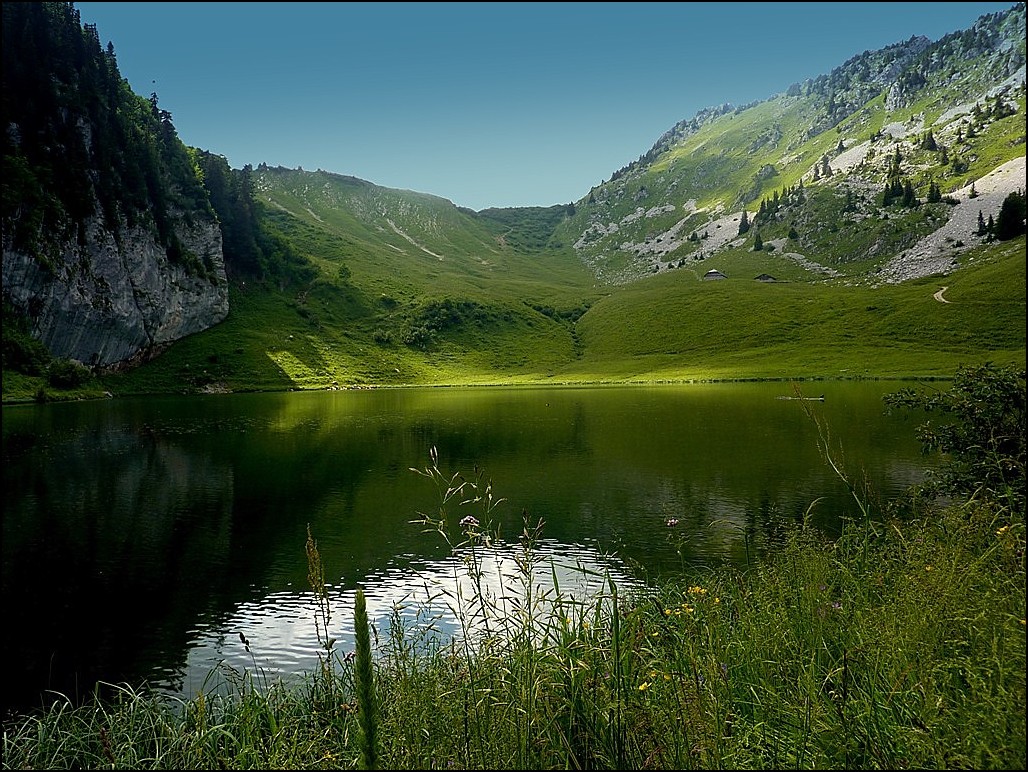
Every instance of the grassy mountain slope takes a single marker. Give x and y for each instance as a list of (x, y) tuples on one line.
[(673, 327), (669, 328), (406, 288), (399, 287), (966, 90)]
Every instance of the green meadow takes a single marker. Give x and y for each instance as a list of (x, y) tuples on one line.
[(670, 327)]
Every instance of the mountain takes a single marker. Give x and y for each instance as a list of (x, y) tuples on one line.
[(111, 249), (821, 154), (843, 195)]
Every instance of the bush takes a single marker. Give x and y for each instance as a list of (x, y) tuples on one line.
[(24, 354), (67, 374), (985, 445)]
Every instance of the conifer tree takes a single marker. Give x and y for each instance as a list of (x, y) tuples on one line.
[(1011, 220), (897, 159), (909, 199), (744, 223)]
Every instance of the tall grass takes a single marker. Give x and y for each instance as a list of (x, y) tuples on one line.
[(896, 646)]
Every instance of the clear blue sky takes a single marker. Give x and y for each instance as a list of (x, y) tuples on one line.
[(486, 104)]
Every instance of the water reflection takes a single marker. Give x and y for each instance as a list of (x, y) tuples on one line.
[(485, 590), (141, 536)]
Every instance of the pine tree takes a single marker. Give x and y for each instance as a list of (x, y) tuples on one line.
[(909, 198), (893, 190), (744, 223), (1010, 222), (897, 159), (758, 243), (981, 225)]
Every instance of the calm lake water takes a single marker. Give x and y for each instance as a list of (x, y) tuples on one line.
[(142, 537)]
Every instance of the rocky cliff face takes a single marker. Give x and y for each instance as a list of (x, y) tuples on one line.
[(105, 301)]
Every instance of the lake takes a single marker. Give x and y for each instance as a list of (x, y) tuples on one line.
[(141, 537)]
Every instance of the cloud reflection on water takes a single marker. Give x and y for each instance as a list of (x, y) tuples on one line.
[(435, 601)]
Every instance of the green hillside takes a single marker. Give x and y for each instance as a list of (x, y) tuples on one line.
[(853, 194)]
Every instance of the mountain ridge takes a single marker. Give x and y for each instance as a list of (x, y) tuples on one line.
[(863, 178)]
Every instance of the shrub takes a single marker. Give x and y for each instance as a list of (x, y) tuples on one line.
[(67, 374), (984, 445)]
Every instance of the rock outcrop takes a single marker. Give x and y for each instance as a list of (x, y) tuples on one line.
[(106, 301)]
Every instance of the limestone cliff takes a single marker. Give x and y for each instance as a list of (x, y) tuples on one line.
[(107, 301), (111, 246)]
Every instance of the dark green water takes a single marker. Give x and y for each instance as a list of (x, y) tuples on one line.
[(141, 537)]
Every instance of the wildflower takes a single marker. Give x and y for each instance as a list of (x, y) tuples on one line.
[(1003, 530), (717, 600), (837, 605), (927, 568), (672, 522), (644, 686), (469, 522), (697, 590)]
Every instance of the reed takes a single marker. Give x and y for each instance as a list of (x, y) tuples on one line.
[(894, 646), (367, 700)]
